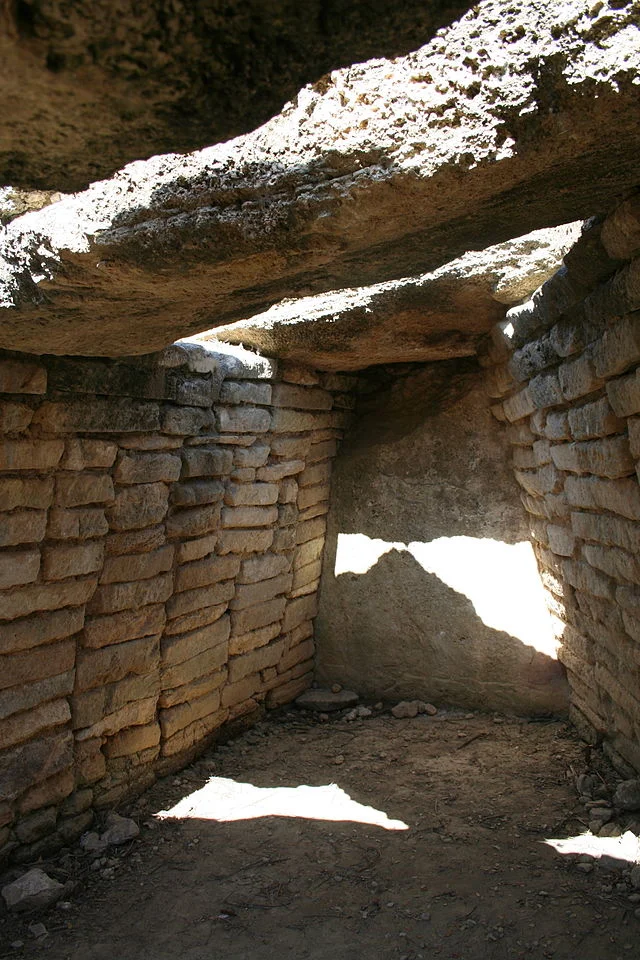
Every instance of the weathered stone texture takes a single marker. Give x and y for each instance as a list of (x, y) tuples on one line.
[(147, 579), (589, 554)]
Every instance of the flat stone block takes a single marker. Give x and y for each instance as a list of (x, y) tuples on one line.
[(108, 664), (30, 454), (110, 598), (194, 521), (177, 649), (322, 700), (201, 573), (42, 628), (190, 600), (139, 506), (242, 420), (17, 376), (244, 541), (79, 489), (234, 517), (202, 462), (251, 494), (147, 468), (72, 560), (82, 454), (128, 625), (197, 492), (137, 566), (249, 594), (83, 523)]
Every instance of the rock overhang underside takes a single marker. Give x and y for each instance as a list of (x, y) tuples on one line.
[(377, 182)]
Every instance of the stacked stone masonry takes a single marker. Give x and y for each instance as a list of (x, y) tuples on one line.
[(161, 533), (565, 371)]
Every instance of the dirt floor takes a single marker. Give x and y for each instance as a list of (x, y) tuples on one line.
[(470, 878)]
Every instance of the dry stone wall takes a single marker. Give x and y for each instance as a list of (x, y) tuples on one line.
[(161, 531), (566, 371)]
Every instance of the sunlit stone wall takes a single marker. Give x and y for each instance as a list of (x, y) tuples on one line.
[(430, 587), (566, 370), (161, 527)]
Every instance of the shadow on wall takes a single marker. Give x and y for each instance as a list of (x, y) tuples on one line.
[(430, 588)]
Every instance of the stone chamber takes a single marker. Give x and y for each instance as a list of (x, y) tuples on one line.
[(352, 398)]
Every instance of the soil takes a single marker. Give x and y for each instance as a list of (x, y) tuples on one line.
[(471, 877)]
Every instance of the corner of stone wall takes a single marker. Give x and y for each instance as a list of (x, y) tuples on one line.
[(162, 522), (564, 373)]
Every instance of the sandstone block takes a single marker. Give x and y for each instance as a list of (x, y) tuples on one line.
[(52, 791), (300, 397), (308, 552), (242, 419), (618, 348), (235, 693), (137, 566), (523, 458), (31, 723), (196, 549), (291, 448), (30, 454), (300, 653), (22, 526), (243, 475), (139, 506), (22, 601), (29, 696), (14, 417), (314, 510), (194, 521), (557, 426), (315, 474), (288, 514), (177, 649), (133, 740), (132, 714), (251, 457), (17, 376), (299, 610), (148, 441), (251, 494), (561, 540), (624, 394), (249, 594), (244, 541), (288, 690), (79, 489), (189, 600), (199, 732), (544, 391), (129, 625), (34, 761), (196, 619), (239, 517), (246, 642), (608, 530), (18, 567), (255, 569), (197, 492), (539, 482), (21, 492), (147, 468), (518, 406), (96, 667), (304, 589), (201, 573), (605, 457), (82, 454), (72, 560), (43, 628), (202, 462), (284, 540), (99, 415), (285, 420), (237, 392), (199, 687), (90, 764), (542, 452), (584, 577), (310, 496), (261, 615), (204, 664), (618, 496), (35, 826), (306, 574), (178, 717), (77, 524), (613, 561), (185, 421), (621, 230), (578, 378), (595, 419), (251, 663), (109, 598), (322, 450), (276, 472), (298, 373), (112, 700)]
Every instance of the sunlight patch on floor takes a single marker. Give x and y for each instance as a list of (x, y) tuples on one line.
[(625, 848), (226, 800), (500, 579)]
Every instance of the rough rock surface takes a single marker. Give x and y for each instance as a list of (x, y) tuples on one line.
[(87, 87), (504, 123), (35, 890), (410, 320)]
